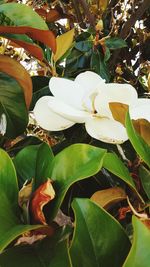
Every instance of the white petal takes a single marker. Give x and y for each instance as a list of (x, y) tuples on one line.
[(113, 92), (48, 119), (67, 111), (106, 130), (89, 80), (140, 112), (67, 91)]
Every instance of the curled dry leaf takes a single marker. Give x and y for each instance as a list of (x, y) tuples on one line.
[(12, 68), (108, 197), (44, 194), (35, 235)]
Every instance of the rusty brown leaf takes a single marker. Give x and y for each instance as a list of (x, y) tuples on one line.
[(17, 71), (108, 197), (118, 111), (44, 194)]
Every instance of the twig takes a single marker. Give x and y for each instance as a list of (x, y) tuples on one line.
[(128, 25)]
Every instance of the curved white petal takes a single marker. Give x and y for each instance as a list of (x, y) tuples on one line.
[(67, 91), (113, 92), (106, 130), (140, 112), (67, 111), (143, 101), (89, 80), (48, 119)]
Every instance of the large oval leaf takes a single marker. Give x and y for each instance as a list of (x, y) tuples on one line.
[(10, 225), (99, 237), (144, 175), (38, 166), (8, 180), (12, 104), (23, 15), (76, 162), (139, 254), (44, 36), (47, 253), (63, 42), (13, 68), (113, 164)]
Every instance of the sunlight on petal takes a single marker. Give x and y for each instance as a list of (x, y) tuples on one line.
[(140, 112), (48, 119), (113, 92), (67, 111), (67, 91), (106, 130), (89, 80)]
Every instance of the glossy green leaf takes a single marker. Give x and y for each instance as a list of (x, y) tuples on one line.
[(10, 225), (8, 179), (12, 104), (76, 162), (83, 46), (98, 240), (144, 175), (142, 148), (115, 43), (113, 164), (99, 65), (34, 162), (139, 254), (47, 253), (23, 15)]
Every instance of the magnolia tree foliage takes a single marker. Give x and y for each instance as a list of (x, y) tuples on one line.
[(74, 133)]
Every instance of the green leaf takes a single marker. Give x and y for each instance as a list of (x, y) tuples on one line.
[(139, 254), (46, 253), (84, 46), (144, 174), (10, 225), (99, 237), (23, 15), (113, 164), (34, 162), (12, 104), (137, 142), (74, 163), (99, 65), (8, 180), (38, 94), (115, 43)]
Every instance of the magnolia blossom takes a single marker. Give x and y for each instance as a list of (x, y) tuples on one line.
[(86, 100)]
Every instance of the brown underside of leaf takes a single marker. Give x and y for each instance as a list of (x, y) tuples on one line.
[(17, 71), (108, 197), (118, 111), (45, 36), (142, 126)]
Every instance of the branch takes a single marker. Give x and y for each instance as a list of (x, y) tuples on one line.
[(127, 27), (134, 17), (87, 12)]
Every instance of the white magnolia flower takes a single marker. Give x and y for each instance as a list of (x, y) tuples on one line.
[(86, 100), (3, 124)]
